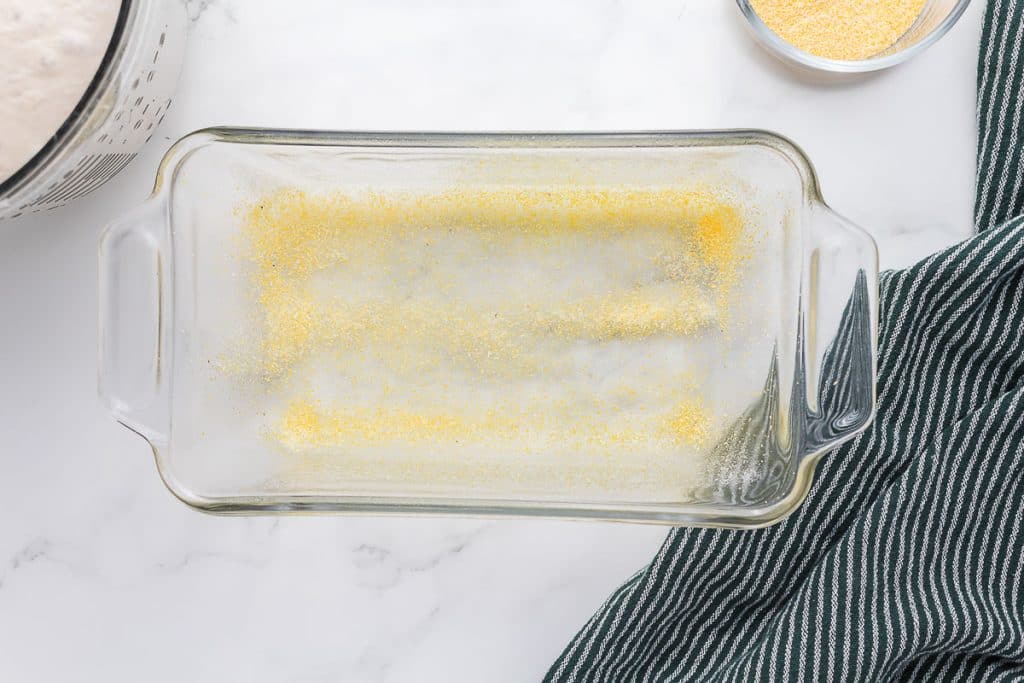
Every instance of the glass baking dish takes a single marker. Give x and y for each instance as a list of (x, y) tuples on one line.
[(653, 327)]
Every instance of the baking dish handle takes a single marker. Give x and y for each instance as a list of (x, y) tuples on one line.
[(132, 349), (839, 330)]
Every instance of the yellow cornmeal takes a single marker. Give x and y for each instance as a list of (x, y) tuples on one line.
[(690, 423), (636, 314), (343, 283), (307, 425), (296, 232), (296, 324), (839, 29)]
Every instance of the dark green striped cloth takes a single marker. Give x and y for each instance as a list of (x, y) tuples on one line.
[(906, 562)]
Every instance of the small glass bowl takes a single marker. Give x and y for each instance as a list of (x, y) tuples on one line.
[(937, 17)]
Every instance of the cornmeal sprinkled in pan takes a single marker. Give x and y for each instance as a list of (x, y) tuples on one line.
[(839, 29), (533, 320)]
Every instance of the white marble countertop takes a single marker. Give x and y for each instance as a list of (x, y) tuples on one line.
[(105, 576)]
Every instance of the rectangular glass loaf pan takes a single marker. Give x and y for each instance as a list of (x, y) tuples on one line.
[(654, 327)]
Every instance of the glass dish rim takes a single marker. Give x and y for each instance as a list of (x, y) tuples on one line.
[(177, 153), (781, 48)]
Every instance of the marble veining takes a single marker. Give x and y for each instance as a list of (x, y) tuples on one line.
[(105, 576), (382, 567)]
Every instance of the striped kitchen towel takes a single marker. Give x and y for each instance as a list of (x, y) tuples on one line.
[(906, 561)]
